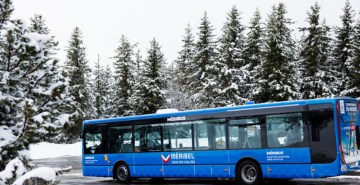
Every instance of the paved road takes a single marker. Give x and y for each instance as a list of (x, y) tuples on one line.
[(74, 177)]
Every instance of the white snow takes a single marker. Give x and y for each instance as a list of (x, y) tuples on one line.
[(50, 150), (345, 177), (45, 173), (10, 168), (162, 111)]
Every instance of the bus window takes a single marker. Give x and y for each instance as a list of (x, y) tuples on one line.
[(210, 135), (244, 136), (177, 137), (120, 139), (94, 141), (147, 138), (284, 129)]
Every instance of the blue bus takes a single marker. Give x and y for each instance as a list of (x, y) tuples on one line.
[(293, 139)]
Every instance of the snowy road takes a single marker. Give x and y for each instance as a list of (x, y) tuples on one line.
[(74, 177)]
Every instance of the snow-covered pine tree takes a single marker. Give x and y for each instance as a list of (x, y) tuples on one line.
[(33, 94), (314, 56), (204, 60), (108, 92), (343, 52), (124, 77), (6, 9), (353, 84), (185, 62), (138, 65), (274, 79), (77, 70), (149, 91), (99, 90), (38, 25), (254, 50), (229, 84)]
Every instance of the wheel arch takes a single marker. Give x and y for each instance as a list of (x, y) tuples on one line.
[(247, 158), (117, 163)]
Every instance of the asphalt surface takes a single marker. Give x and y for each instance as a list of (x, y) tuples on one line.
[(74, 177)]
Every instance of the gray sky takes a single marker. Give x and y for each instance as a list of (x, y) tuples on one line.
[(103, 22)]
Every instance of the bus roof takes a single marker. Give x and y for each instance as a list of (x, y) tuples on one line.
[(217, 110)]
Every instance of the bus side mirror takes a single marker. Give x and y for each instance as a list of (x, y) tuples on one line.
[(81, 134)]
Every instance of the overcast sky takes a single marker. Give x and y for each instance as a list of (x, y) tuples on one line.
[(103, 22)]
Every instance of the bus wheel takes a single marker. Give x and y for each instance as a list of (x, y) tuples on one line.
[(122, 173), (249, 173)]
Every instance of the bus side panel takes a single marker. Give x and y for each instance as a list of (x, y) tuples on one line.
[(211, 157), (97, 171), (179, 171), (301, 155), (203, 170), (289, 171), (220, 171), (127, 157), (257, 154), (326, 170), (148, 158), (264, 169), (149, 171)]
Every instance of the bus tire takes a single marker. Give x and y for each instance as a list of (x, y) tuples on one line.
[(249, 173), (122, 173)]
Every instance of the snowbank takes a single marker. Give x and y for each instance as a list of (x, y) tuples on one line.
[(50, 150), (45, 173), (10, 169)]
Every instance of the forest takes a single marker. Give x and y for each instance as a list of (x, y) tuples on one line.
[(44, 99)]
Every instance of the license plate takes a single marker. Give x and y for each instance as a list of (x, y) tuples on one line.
[(354, 164)]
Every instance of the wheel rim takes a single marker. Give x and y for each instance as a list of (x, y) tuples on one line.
[(248, 173), (122, 172)]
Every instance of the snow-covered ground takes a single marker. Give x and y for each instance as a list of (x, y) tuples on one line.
[(51, 150)]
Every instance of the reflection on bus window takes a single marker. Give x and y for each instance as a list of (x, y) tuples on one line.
[(177, 137), (147, 138), (244, 121), (284, 129), (120, 139), (210, 135), (94, 141), (241, 137)]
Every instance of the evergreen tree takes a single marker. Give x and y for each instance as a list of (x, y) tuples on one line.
[(78, 72), (38, 25), (108, 92), (124, 76), (314, 57), (204, 60), (231, 69), (353, 84), (343, 52), (185, 62), (34, 102), (138, 65), (99, 90), (253, 51), (275, 80), (6, 9), (149, 92)]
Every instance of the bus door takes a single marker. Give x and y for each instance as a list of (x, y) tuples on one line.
[(95, 159), (348, 120)]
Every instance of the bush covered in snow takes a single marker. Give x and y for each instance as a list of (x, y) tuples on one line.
[(15, 174)]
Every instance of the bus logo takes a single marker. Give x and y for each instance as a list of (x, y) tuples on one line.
[(166, 160), (181, 118)]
